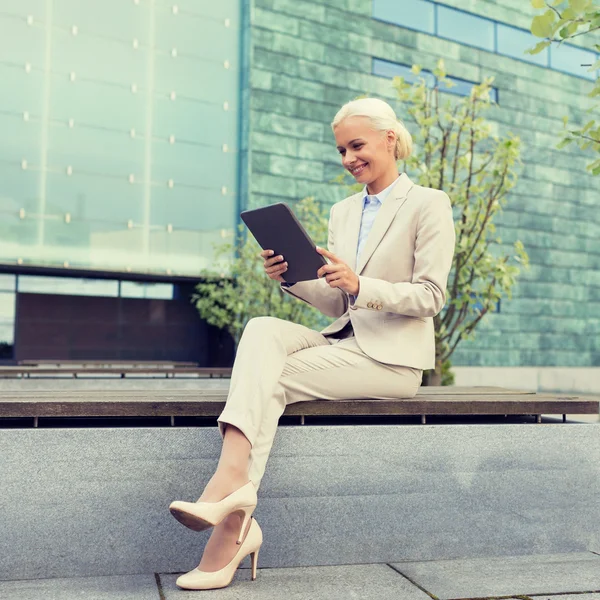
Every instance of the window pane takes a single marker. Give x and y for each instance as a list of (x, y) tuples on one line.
[(7, 325), (134, 289), (460, 87), (384, 68), (39, 284), (466, 28), (413, 14), (569, 59), (514, 42), (7, 283)]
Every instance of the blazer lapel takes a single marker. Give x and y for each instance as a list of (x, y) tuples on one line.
[(353, 228), (383, 220)]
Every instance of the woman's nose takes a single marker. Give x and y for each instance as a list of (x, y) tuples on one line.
[(348, 159)]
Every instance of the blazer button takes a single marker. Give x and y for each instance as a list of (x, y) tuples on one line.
[(369, 305), (379, 307)]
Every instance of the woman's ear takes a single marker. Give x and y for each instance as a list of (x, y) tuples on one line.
[(391, 140)]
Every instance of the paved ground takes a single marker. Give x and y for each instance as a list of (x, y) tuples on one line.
[(573, 576)]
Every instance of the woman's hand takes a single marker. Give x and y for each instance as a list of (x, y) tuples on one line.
[(338, 274), (274, 266)]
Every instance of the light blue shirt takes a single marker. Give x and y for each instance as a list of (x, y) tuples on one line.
[(371, 205)]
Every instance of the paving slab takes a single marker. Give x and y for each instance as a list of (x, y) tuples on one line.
[(562, 597), (506, 575), (120, 587), (317, 583)]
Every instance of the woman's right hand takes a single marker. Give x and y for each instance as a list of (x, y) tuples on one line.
[(274, 267)]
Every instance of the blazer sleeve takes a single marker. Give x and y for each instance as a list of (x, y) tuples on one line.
[(332, 302), (425, 295)]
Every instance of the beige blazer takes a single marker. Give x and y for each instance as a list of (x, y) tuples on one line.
[(403, 271)]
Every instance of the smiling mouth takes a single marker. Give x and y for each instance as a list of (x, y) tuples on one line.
[(358, 170)]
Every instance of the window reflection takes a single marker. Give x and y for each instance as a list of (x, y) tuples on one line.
[(466, 28), (385, 68), (569, 59), (413, 14), (7, 283), (38, 284), (515, 42), (136, 289), (461, 87), (7, 325), (129, 133)]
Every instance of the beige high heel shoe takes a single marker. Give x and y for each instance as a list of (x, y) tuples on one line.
[(204, 580), (202, 515)]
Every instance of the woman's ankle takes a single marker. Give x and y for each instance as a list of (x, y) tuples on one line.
[(232, 472)]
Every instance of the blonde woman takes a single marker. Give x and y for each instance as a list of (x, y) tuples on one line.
[(390, 250)]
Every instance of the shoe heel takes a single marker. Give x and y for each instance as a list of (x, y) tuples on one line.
[(247, 516), (254, 559)]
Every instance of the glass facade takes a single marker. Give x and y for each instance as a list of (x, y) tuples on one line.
[(473, 30), (120, 133), (461, 87)]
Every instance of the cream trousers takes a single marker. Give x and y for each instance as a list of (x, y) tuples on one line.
[(279, 363)]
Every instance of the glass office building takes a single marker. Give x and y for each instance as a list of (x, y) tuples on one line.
[(136, 130), (120, 143)]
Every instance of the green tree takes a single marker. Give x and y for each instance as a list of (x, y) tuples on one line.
[(564, 20), (458, 152), (230, 301)]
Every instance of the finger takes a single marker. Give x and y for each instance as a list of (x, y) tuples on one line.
[(331, 268), (266, 253), (332, 277), (277, 269), (273, 261), (330, 255)]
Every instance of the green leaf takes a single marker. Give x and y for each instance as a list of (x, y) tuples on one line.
[(542, 25), (538, 47), (538, 3), (579, 6)]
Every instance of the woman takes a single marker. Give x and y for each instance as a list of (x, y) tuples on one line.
[(390, 252)]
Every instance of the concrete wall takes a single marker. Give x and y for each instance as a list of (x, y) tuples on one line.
[(307, 58), (79, 502)]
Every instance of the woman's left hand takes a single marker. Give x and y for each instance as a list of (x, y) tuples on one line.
[(338, 274)]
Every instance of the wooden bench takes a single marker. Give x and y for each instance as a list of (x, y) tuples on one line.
[(448, 401), (106, 363), (124, 371)]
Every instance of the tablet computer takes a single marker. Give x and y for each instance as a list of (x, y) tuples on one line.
[(276, 227)]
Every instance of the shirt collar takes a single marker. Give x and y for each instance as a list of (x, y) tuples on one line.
[(383, 194)]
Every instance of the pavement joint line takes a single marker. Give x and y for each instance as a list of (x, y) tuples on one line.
[(161, 594), (433, 596), (533, 596)]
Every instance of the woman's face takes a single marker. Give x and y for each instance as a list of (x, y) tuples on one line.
[(366, 153)]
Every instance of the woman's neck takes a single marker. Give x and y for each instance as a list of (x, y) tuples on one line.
[(382, 182)]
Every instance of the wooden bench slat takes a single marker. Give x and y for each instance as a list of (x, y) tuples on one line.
[(210, 403)]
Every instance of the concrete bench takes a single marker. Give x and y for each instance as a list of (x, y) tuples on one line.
[(84, 501)]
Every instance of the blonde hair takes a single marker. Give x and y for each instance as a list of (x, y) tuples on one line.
[(382, 118)]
